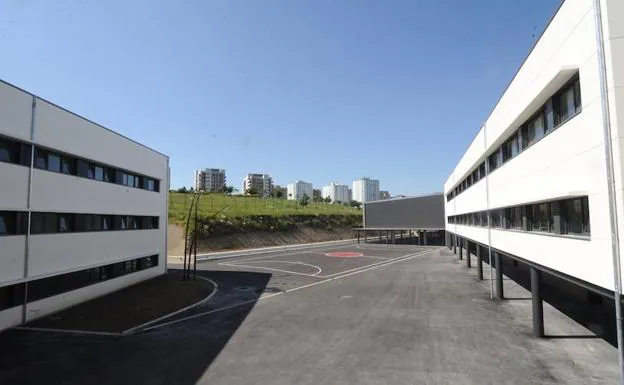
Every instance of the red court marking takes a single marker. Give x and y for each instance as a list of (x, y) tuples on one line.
[(345, 254)]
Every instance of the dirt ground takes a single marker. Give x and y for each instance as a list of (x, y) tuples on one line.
[(131, 306), (254, 239)]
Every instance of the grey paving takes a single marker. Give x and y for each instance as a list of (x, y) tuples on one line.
[(425, 320)]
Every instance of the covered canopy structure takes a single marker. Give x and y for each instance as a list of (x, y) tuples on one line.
[(418, 219)]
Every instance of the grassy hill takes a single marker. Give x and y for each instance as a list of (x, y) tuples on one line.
[(223, 206)]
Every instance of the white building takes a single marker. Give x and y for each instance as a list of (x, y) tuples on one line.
[(261, 183), (365, 190), (538, 168), (210, 180), (337, 192), (83, 210), (297, 189)]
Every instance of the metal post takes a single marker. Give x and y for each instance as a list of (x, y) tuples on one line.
[(461, 249), (468, 259), (479, 263), (499, 276), (612, 188), (538, 307)]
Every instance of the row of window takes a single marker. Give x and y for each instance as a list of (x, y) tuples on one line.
[(14, 295), (566, 216), (16, 222), (20, 153), (562, 106)]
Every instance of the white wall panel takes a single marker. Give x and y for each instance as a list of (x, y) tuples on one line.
[(478, 234), (58, 302), (13, 187), (61, 130), (15, 112), (472, 199), (55, 253), (67, 193), (570, 256), (12, 255)]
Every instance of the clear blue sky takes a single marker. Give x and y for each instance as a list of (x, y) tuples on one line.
[(318, 90)]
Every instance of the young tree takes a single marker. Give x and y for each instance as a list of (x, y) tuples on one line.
[(305, 199), (182, 190)]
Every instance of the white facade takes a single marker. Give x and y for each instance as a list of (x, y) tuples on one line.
[(209, 180), (563, 171), (262, 183), (365, 190), (296, 190), (87, 216), (337, 192)]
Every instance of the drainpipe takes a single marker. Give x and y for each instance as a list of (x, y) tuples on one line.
[(487, 207), (615, 246)]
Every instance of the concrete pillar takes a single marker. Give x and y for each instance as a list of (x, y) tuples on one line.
[(461, 249), (358, 236), (538, 305), (425, 237), (365, 236), (454, 244), (479, 263), (468, 259), (392, 235), (380, 237), (499, 276)]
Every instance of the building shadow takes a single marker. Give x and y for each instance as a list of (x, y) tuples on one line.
[(571, 337), (178, 353)]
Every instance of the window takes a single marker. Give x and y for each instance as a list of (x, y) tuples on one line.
[(130, 180), (515, 220), (484, 218), (8, 223), (68, 166), (98, 172), (109, 175), (496, 218), (9, 151), (540, 217), (576, 216), (493, 160), (566, 106), (550, 116), (534, 130), (482, 170), (83, 168), (54, 162), (121, 222), (65, 223), (11, 296), (44, 223), (107, 222), (41, 159), (133, 223)]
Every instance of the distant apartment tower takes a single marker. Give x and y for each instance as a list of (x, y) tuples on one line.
[(297, 189), (209, 179), (384, 195), (337, 192), (365, 190), (261, 183)]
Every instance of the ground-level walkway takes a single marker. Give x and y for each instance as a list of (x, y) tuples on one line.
[(405, 315)]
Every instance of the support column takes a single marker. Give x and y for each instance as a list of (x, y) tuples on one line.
[(392, 236), (365, 236), (454, 244), (479, 263), (380, 237), (461, 249), (468, 259), (425, 237), (499, 276), (358, 236), (538, 305)]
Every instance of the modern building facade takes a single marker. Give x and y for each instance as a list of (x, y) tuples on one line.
[(261, 183), (210, 180), (83, 210), (384, 194), (297, 189), (338, 193), (539, 183), (365, 190)]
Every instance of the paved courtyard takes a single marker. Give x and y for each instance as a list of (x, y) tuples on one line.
[(349, 314)]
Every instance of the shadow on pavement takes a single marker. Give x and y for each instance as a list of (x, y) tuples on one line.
[(175, 354)]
